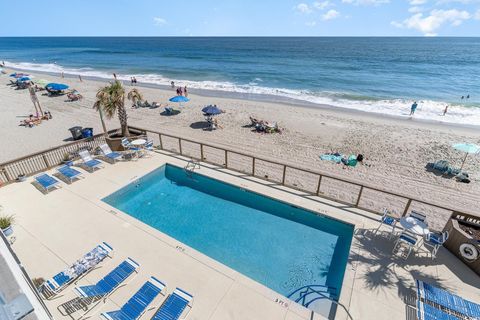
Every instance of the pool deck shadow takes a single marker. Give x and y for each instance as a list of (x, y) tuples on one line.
[(56, 229)]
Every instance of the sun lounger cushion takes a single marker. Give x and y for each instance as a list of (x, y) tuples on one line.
[(174, 306), (139, 302), (89, 261), (46, 181), (92, 163), (110, 282)]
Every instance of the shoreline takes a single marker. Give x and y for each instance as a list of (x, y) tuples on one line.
[(268, 98)]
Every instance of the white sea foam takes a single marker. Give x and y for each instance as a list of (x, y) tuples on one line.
[(427, 109)]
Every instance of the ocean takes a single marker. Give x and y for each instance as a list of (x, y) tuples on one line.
[(380, 75)]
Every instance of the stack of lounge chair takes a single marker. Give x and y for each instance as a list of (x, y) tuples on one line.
[(435, 303)]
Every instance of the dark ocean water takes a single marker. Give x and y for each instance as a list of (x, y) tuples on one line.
[(382, 75)]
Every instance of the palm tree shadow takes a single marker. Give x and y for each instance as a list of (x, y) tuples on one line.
[(383, 271)]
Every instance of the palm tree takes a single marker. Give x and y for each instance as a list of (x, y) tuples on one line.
[(134, 95), (111, 100)]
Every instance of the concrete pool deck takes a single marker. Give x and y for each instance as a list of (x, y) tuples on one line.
[(55, 229)]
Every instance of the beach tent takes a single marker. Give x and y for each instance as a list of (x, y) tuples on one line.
[(468, 148)]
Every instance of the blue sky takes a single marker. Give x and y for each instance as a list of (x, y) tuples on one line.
[(241, 18)]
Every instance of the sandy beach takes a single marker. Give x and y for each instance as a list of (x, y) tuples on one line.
[(396, 150)]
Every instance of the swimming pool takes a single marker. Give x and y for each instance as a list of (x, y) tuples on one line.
[(274, 243)]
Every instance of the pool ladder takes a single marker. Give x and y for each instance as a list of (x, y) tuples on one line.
[(191, 166), (308, 294)]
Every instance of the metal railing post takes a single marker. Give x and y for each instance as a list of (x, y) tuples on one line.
[(201, 152), (284, 174), (180, 145), (359, 196), (253, 166), (226, 159), (319, 183), (407, 207), (160, 139)]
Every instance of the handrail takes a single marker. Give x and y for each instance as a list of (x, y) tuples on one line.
[(310, 286), (322, 296), (285, 167)]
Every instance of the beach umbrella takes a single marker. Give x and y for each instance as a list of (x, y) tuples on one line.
[(22, 79), (179, 99), (56, 86), (468, 148), (211, 110)]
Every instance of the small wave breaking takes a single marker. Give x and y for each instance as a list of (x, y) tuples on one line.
[(427, 109)]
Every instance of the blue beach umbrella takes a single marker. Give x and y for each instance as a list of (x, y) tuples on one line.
[(179, 99), (467, 148), (211, 110), (56, 86), (22, 79)]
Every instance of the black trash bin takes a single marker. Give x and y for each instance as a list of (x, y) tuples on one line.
[(87, 132), (76, 132)]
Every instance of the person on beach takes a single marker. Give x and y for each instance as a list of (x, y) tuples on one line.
[(413, 108), (62, 74), (115, 76), (185, 91), (445, 110), (173, 84), (80, 77), (134, 80)]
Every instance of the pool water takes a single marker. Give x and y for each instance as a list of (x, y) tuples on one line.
[(274, 243)]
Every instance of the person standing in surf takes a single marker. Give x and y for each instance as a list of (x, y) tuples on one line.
[(413, 108)]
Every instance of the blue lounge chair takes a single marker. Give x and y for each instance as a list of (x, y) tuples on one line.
[(137, 305), (69, 172), (47, 182), (388, 220), (78, 269), (110, 282), (428, 312), (88, 161), (107, 152), (447, 300), (174, 306)]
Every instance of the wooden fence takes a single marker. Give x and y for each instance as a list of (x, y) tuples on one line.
[(352, 193), (349, 192), (46, 159)]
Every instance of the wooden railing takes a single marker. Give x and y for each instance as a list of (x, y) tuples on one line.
[(46, 159), (352, 193)]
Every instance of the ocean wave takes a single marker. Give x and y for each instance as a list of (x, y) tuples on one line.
[(427, 109)]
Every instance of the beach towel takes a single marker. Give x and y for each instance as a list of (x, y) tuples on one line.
[(337, 158)]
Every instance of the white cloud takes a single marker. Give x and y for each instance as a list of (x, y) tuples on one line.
[(159, 21), (415, 9), (428, 25), (330, 14), (366, 2), (303, 8), (417, 2), (322, 5)]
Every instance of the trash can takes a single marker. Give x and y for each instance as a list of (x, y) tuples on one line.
[(76, 132), (87, 132)]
